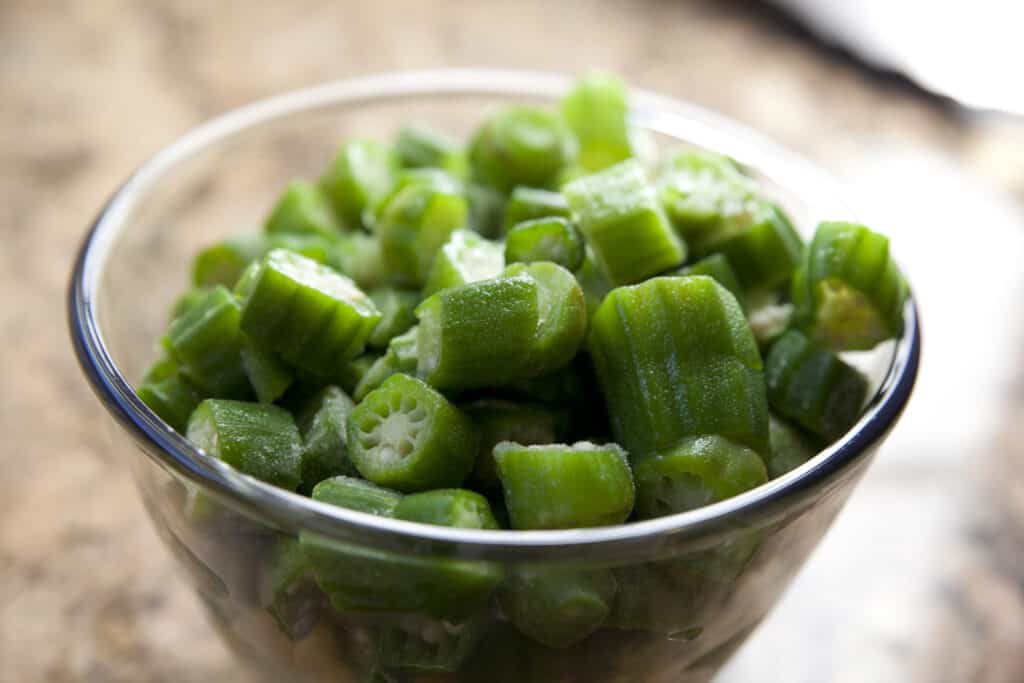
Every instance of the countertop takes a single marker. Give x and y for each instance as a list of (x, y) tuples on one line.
[(922, 577)]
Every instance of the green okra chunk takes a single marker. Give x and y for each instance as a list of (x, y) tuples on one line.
[(716, 266), (557, 607), (624, 226), (407, 436), (465, 257), (812, 386), (675, 358), (415, 223), (479, 334), (187, 300), (486, 208), (303, 209), (268, 375), (447, 507), (322, 423), (655, 599), (521, 145), (420, 146), (361, 174), (223, 263), (357, 494), (289, 591), (358, 256), (314, 317), (562, 312), (207, 344), (848, 291), (545, 239), (256, 439), (397, 308), (789, 448), (401, 357), (597, 110), (523, 423), (556, 486), (427, 646), (531, 203), (698, 471), (169, 394), (700, 189)]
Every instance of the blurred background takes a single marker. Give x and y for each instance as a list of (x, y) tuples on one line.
[(915, 105)]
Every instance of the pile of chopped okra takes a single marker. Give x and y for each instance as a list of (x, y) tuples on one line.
[(541, 329)]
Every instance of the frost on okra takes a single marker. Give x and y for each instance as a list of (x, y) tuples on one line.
[(313, 316), (623, 224), (407, 436), (848, 292), (675, 358)]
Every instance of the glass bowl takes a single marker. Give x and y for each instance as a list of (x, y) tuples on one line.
[(688, 588)]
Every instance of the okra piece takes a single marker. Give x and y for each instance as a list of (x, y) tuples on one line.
[(717, 267), (557, 607), (407, 436), (188, 300), (406, 349), (675, 358), (415, 223), (303, 209), (789, 448), (361, 174), (268, 375), (358, 256), (465, 257), (523, 423), (479, 334), (314, 317), (396, 307), (556, 486), (207, 344), (848, 292), (420, 146), (812, 386), (169, 394), (256, 439), (652, 598), (624, 226), (531, 203), (426, 646), (700, 189), (447, 507), (486, 208), (597, 110), (545, 239), (699, 471), (377, 374), (521, 145), (289, 591), (562, 312), (357, 494), (322, 423), (223, 263)]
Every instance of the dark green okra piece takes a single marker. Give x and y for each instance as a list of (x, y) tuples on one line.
[(323, 425), (545, 239), (675, 358), (624, 226), (716, 266), (427, 646), (812, 386), (289, 590), (362, 173), (521, 145), (522, 423), (357, 494), (407, 436), (358, 256), (416, 221), (447, 507), (531, 203), (848, 291), (420, 146), (169, 394), (789, 448), (224, 262), (314, 317), (697, 472), (557, 486), (597, 110), (268, 375), (465, 257), (256, 439), (207, 344), (557, 606), (396, 308), (303, 209)]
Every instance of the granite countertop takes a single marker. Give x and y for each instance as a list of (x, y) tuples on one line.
[(921, 578)]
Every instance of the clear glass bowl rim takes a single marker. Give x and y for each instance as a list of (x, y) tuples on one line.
[(291, 512)]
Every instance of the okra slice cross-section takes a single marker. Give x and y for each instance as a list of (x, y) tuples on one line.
[(207, 344), (407, 436)]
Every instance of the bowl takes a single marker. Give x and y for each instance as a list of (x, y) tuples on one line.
[(688, 588)]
